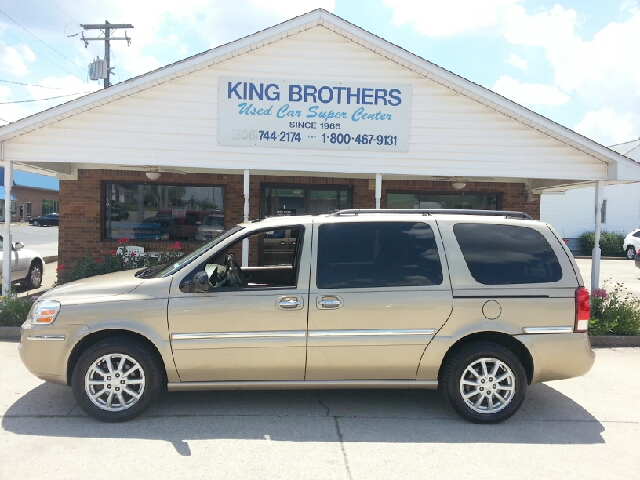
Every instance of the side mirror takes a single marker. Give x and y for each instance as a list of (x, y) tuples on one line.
[(18, 246), (199, 284)]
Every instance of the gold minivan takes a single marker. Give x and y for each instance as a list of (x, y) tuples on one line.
[(478, 304)]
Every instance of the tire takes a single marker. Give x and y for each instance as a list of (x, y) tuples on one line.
[(478, 364), (34, 277), (36, 223), (631, 252), (113, 402)]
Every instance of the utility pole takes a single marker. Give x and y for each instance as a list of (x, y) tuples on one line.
[(106, 28)]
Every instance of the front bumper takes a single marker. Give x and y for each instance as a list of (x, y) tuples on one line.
[(45, 349)]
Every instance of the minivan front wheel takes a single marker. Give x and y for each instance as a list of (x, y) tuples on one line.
[(116, 379), (484, 382)]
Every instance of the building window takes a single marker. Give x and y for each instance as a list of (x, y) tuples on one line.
[(473, 201), (162, 212), (50, 206), (284, 200), (13, 208), (603, 212), (28, 209)]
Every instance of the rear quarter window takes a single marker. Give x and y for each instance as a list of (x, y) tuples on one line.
[(507, 254), (377, 254)]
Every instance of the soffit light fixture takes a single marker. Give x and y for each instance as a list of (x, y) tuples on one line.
[(458, 185)]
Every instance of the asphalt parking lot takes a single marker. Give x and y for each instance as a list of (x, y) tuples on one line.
[(582, 428)]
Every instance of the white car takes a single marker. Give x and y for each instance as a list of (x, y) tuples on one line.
[(27, 266), (632, 244)]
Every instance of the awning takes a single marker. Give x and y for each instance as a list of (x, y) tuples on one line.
[(2, 194)]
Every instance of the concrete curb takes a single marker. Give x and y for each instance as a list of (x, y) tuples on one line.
[(51, 259), (11, 334), (607, 341)]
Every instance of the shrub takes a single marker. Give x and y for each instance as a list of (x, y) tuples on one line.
[(88, 266), (611, 243), (14, 310), (614, 312)]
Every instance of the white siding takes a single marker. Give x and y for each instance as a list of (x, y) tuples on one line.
[(175, 124), (572, 213)]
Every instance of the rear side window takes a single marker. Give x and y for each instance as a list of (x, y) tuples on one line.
[(362, 255), (506, 254)]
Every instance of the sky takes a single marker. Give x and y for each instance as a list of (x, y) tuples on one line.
[(575, 62)]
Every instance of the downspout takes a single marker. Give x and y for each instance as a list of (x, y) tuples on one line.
[(7, 244), (595, 255), (378, 190), (245, 242)]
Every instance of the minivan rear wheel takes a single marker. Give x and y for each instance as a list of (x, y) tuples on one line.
[(484, 382), (116, 379)]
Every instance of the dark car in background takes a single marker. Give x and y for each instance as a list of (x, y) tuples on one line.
[(118, 213), (48, 220)]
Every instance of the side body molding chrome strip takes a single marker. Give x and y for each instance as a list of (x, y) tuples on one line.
[(46, 337), (538, 330), (303, 384)]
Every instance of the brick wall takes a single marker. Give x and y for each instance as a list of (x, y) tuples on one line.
[(81, 201), (33, 195)]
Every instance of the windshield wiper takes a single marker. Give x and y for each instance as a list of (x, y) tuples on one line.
[(149, 271)]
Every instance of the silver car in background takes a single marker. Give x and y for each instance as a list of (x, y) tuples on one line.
[(27, 266)]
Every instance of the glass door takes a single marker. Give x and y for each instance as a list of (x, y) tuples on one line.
[(291, 200)]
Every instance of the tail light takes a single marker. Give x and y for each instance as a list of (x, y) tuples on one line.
[(583, 310)]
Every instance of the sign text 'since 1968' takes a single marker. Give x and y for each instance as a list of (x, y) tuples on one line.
[(311, 114)]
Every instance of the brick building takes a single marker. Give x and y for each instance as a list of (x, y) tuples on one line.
[(308, 116), (32, 195)]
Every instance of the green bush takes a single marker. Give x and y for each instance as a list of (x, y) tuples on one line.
[(14, 310), (611, 243), (614, 312), (88, 266)]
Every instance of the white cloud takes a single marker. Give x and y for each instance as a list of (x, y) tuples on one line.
[(529, 94), (435, 18), (609, 127), (517, 62), (13, 59)]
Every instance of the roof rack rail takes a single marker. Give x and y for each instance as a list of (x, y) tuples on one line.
[(435, 211)]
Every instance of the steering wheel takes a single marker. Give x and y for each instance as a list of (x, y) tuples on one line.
[(234, 273)]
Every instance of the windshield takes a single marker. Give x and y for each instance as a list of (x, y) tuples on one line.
[(189, 257)]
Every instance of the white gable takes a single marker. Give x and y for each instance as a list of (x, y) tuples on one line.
[(175, 124)]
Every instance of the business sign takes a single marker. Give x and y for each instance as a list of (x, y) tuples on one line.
[(320, 115)]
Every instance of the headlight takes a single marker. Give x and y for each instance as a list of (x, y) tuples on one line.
[(45, 312)]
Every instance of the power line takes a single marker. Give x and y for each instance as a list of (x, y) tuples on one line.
[(44, 99), (45, 44), (32, 85), (63, 11)]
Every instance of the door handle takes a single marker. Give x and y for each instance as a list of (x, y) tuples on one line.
[(329, 302), (289, 303)]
